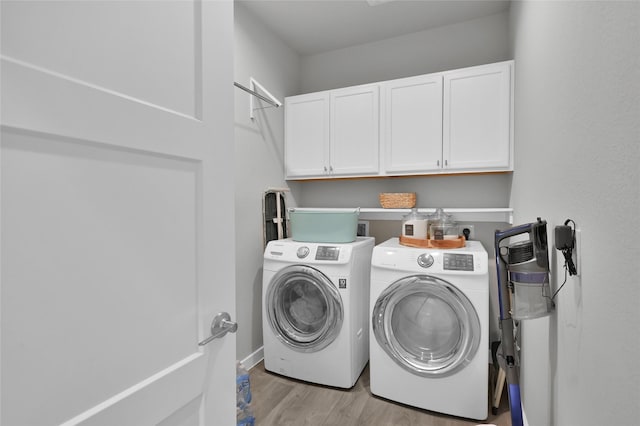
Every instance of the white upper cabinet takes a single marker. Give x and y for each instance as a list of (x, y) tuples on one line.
[(332, 134), (458, 121), (354, 131), (307, 135), (477, 117), (412, 125)]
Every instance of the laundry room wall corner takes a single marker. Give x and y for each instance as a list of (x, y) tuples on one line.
[(584, 370), (259, 145)]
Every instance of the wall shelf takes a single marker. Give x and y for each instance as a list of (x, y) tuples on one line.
[(459, 214), (500, 214)]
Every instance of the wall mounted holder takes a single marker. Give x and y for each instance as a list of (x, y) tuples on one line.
[(267, 97)]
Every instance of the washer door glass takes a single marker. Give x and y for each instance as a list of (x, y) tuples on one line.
[(426, 325), (304, 308)]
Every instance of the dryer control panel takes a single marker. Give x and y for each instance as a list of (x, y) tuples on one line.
[(469, 260), (457, 262)]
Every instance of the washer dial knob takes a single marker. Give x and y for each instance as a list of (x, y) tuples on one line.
[(425, 260), (302, 252)]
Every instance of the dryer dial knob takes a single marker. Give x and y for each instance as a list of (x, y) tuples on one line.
[(302, 252), (425, 260)]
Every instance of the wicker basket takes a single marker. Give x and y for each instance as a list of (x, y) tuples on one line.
[(397, 200)]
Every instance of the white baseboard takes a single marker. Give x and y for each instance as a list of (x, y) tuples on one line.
[(254, 358)]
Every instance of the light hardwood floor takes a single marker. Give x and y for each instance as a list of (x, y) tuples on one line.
[(281, 401)]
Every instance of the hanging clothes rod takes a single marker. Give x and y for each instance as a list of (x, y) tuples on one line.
[(257, 95), (269, 98)]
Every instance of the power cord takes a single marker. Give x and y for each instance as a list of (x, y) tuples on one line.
[(562, 285), (568, 251)]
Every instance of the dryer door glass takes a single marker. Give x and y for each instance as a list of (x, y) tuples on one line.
[(304, 308), (426, 325)]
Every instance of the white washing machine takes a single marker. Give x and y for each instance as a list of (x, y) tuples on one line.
[(429, 327), (315, 316)]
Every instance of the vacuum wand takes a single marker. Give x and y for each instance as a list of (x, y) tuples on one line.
[(527, 265), (506, 325)]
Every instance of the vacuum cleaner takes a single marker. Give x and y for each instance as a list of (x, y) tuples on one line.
[(523, 293)]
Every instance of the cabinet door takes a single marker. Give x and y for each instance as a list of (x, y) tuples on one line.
[(477, 118), (307, 135), (354, 131), (412, 124)]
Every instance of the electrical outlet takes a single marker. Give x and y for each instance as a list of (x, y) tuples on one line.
[(472, 234)]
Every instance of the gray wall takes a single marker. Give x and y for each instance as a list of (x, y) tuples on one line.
[(474, 42), (432, 191), (578, 142), (259, 161)]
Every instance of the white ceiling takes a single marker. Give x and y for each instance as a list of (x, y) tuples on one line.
[(314, 26)]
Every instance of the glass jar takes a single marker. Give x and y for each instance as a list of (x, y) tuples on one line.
[(441, 226), (414, 225)]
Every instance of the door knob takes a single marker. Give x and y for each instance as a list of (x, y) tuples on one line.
[(220, 326)]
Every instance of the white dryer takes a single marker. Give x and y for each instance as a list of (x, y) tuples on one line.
[(429, 327), (315, 312)]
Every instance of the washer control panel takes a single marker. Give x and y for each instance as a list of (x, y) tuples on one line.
[(310, 252), (327, 253)]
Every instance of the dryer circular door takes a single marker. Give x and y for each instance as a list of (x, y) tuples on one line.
[(426, 325), (304, 308)]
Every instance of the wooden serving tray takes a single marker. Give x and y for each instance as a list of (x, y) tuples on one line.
[(422, 243)]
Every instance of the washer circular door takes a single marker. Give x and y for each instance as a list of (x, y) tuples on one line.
[(304, 308), (426, 325)]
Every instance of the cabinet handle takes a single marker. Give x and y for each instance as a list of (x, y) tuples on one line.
[(325, 169), (331, 169), (446, 163), (438, 163)]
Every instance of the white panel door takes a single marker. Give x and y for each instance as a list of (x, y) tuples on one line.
[(354, 131), (478, 118), (117, 146), (412, 124)]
